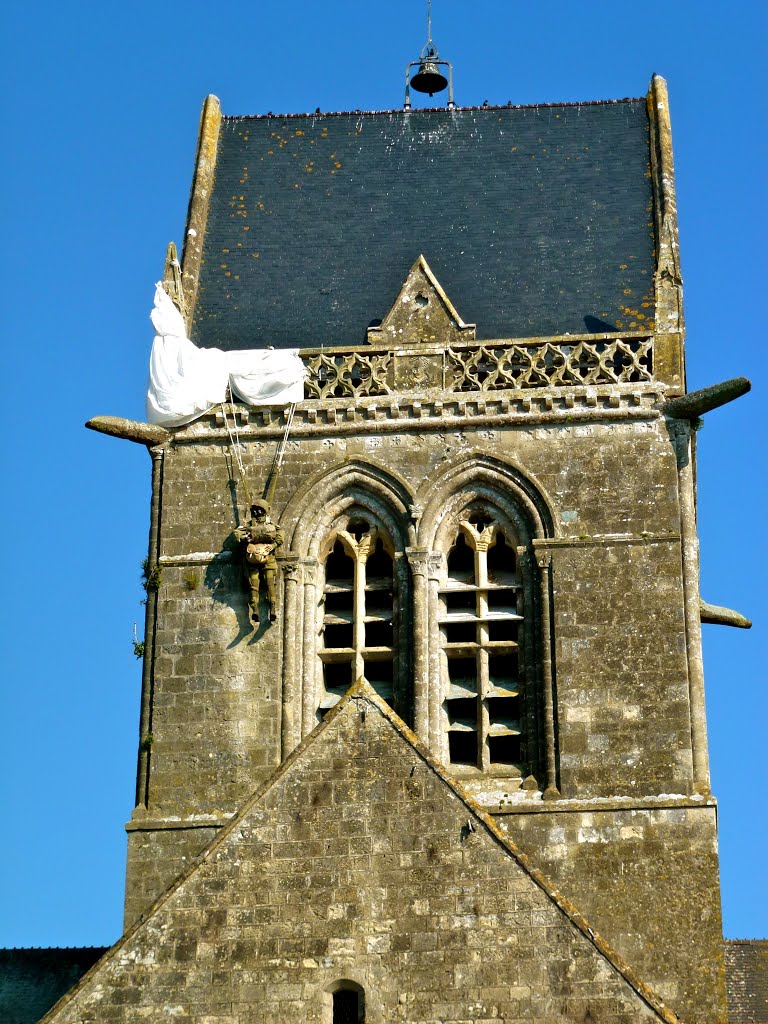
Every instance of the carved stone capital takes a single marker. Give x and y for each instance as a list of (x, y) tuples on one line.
[(291, 568), (435, 562), (309, 568), (418, 559)]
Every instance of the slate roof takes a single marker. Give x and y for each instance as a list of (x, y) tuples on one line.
[(32, 980), (746, 980), (536, 220)]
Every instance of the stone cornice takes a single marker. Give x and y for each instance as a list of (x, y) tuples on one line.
[(595, 805), (428, 412), (605, 540)]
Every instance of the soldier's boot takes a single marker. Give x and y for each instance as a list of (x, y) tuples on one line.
[(271, 595), (253, 607)]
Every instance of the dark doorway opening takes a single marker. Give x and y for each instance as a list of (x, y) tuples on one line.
[(349, 1004)]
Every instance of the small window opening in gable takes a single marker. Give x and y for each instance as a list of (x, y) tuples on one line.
[(348, 1003)]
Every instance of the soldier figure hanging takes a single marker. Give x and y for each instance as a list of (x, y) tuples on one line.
[(259, 541)]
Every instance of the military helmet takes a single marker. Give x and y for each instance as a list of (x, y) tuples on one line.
[(259, 505)]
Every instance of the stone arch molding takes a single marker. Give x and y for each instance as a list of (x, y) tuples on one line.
[(312, 513), (478, 476), (313, 509), (478, 480), (419, 534)]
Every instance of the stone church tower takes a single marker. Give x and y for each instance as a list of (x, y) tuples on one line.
[(463, 775)]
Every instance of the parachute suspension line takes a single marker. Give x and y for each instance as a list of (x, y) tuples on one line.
[(234, 447), (277, 461), (284, 441)]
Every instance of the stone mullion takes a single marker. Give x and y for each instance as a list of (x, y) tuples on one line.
[(358, 629), (309, 681), (434, 679), (550, 790), (483, 680), (418, 561), (401, 668), (291, 715), (526, 603)]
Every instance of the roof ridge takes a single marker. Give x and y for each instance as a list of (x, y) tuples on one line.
[(47, 949), (431, 110)]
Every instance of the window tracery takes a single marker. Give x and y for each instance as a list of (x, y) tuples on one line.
[(487, 711), (360, 613)]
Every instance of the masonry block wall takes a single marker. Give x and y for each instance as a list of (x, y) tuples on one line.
[(623, 724), (360, 863)]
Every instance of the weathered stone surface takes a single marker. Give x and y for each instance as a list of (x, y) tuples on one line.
[(359, 860), (132, 430), (609, 489), (636, 873), (696, 403), (156, 856), (622, 688)]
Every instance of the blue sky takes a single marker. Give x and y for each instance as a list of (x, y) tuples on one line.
[(99, 118)]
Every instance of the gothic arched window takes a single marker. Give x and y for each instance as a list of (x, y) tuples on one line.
[(488, 707), (361, 600)]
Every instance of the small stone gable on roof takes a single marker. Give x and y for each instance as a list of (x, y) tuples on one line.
[(421, 313), (361, 860)]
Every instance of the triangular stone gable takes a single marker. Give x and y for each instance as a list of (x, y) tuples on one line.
[(360, 859), (421, 314)]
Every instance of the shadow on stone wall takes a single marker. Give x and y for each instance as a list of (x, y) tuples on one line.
[(225, 579)]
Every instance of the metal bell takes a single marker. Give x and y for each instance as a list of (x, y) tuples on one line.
[(428, 78)]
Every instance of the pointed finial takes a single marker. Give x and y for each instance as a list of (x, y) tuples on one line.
[(172, 278)]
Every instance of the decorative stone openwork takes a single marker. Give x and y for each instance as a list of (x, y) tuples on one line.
[(423, 343), (490, 366), (498, 365)]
